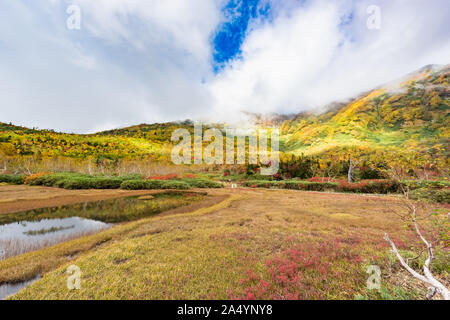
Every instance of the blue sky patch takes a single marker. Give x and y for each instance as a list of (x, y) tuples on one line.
[(230, 35)]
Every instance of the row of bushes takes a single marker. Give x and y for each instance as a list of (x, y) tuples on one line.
[(169, 184), (202, 183), (434, 195), (435, 191), (79, 181), (154, 184), (435, 184), (373, 186), (292, 184), (83, 181), (87, 183), (310, 186), (261, 184), (11, 178)]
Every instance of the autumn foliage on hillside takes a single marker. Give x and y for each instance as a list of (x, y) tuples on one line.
[(409, 119), (406, 124)]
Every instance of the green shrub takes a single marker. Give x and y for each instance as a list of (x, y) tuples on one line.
[(310, 186), (436, 184), (268, 184), (259, 177), (133, 185), (248, 183), (55, 180), (382, 187), (179, 185), (263, 184), (370, 186), (43, 181), (74, 183), (133, 176), (321, 186), (202, 183), (259, 183), (69, 180), (142, 184), (430, 194), (105, 183), (434, 190), (11, 178), (294, 185)]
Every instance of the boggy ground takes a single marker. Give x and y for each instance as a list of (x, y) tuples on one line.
[(238, 243)]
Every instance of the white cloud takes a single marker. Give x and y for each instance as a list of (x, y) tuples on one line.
[(306, 58), (137, 61), (281, 61), (178, 24), (131, 62)]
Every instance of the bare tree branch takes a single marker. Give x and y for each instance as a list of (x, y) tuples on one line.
[(428, 278)]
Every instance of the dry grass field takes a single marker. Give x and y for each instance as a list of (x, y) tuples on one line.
[(237, 243)]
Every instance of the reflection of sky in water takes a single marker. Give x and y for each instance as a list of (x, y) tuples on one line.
[(8, 289), (16, 239), (72, 226)]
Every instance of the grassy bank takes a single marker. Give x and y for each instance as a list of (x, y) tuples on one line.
[(27, 266)]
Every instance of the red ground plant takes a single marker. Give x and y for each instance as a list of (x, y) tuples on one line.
[(308, 270), (169, 176)]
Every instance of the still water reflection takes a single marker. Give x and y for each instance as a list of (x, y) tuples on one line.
[(20, 237)]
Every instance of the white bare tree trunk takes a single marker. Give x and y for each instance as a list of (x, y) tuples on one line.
[(427, 277), (4, 167), (350, 171)]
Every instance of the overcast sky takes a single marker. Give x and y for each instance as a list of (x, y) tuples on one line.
[(136, 61)]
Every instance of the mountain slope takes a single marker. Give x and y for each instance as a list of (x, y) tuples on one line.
[(408, 115), (405, 117)]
